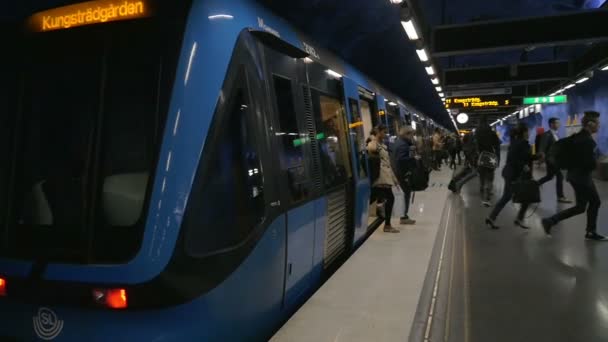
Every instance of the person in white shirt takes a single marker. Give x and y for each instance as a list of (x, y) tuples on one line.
[(548, 139)]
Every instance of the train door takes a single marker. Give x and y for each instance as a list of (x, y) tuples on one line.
[(325, 95), (357, 128), (291, 135)]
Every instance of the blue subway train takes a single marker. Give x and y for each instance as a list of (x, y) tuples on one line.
[(188, 171)]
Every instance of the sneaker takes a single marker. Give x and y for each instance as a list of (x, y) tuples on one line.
[(595, 236), (563, 200), (406, 221), (390, 229), (521, 224), (547, 225)]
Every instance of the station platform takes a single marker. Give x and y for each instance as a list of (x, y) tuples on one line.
[(450, 278), (375, 294)]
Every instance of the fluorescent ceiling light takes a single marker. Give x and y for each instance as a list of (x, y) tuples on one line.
[(605, 68), (430, 70), (581, 80), (410, 29), (438, 88), (396, 1), (569, 86), (422, 55), (220, 16), (441, 95), (392, 103), (435, 81), (308, 60), (385, 100), (333, 73)]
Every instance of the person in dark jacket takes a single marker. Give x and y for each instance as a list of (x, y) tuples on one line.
[(518, 165), (487, 141), (546, 142), (404, 162), (579, 176)]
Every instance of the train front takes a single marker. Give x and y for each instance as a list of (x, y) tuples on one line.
[(84, 236)]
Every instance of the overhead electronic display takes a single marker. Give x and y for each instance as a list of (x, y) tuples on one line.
[(478, 102), (88, 13)]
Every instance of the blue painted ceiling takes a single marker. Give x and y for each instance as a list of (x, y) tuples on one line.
[(368, 34)]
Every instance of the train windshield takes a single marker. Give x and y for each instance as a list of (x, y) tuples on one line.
[(86, 130)]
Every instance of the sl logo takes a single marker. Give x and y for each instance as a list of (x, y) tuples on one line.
[(46, 324)]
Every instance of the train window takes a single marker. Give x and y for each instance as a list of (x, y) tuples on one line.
[(229, 185), (88, 138), (8, 96), (358, 137), (331, 134), (292, 156)]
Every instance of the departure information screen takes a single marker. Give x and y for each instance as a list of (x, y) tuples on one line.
[(478, 102), (88, 13)]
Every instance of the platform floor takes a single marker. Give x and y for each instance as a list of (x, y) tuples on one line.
[(525, 286), (450, 278), (374, 295)]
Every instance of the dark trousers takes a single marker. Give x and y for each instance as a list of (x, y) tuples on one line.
[(407, 197), (553, 171), (386, 194), (507, 195), (437, 159), (462, 177), (486, 181), (453, 159), (587, 199)]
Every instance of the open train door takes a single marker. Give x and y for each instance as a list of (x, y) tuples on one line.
[(362, 186)]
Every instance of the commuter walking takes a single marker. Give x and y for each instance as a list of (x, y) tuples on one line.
[(458, 148), (546, 142), (518, 166), (452, 150), (581, 152), (488, 146), (437, 150), (469, 171), (404, 160), (383, 185)]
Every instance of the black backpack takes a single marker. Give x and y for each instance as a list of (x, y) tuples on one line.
[(419, 179), (563, 153)]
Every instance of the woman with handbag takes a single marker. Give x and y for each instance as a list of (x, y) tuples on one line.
[(518, 167), (383, 185)]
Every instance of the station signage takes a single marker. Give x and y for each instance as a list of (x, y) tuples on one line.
[(88, 13), (478, 102), (546, 99)]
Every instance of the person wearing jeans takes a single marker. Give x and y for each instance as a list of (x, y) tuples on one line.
[(437, 150), (404, 162), (546, 142), (487, 141), (579, 176), (383, 185)]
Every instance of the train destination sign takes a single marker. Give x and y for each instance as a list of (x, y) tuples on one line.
[(480, 102), (546, 99), (88, 13)]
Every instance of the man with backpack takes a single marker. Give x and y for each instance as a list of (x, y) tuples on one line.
[(578, 154), (547, 140), (488, 146)]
